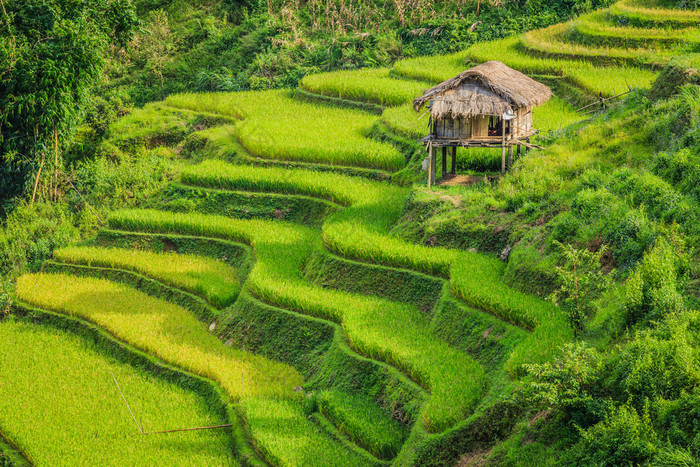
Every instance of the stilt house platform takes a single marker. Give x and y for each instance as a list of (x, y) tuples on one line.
[(487, 106)]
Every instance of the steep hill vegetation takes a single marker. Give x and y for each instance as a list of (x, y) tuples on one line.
[(270, 260)]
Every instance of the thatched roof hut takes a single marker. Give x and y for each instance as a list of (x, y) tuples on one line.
[(490, 89), (489, 105)]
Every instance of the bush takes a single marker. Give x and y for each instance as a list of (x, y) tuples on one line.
[(652, 290), (625, 438)]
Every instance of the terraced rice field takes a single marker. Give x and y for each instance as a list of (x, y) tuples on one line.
[(377, 381)]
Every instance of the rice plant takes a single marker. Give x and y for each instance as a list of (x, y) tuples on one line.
[(59, 404), (361, 231), (364, 422), (366, 85), (159, 328), (433, 69), (285, 436), (392, 332), (214, 280), (650, 12), (553, 41), (275, 126), (605, 80), (172, 334)]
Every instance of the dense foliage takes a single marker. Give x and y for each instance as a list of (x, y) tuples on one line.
[(51, 52)]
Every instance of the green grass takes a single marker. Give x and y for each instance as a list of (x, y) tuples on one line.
[(367, 85), (597, 29), (59, 404), (608, 80), (159, 328), (395, 333), (213, 280), (267, 419), (172, 334), (553, 41), (275, 126), (365, 423), (361, 231), (433, 69), (649, 13)]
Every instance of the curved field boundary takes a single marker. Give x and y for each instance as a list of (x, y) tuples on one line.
[(237, 255), (309, 96), (630, 12), (599, 30), (212, 280), (246, 205), (372, 85), (297, 131), (360, 232), (262, 388), (11, 455), (273, 342), (125, 353), (378, 329), (221, 143)]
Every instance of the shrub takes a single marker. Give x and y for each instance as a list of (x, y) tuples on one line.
[(625, 438), (652, 290)]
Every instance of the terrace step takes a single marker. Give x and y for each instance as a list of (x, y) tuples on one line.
[(326, 425)]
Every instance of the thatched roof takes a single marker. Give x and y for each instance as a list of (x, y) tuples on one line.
[(491, 88)]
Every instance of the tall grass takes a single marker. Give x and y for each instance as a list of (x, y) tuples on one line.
[(275, 126), (366, 85), (58, 403), (213, 280), (393, 332), (361, 231)]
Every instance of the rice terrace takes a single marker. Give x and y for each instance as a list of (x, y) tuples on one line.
[(346, 233)]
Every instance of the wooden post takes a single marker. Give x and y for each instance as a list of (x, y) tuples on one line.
[(510, 156), (503, 147), (433, 167), (517, 155), (454, 160), (430, 164), (527, 149), (444, 162)]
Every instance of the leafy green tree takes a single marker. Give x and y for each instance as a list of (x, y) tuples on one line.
[(51, 53), (582, 280)]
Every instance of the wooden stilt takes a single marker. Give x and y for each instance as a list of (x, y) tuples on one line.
[(527, 140), (510, 156), (503, 147), (430, 165), (444, 162), (454, 160), (517, 154), (433, 165)]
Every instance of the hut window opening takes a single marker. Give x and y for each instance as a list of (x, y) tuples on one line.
[(496, 126)]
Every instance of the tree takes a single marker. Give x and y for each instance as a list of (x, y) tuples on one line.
[(51, 52), (582, 281), (154, 45)]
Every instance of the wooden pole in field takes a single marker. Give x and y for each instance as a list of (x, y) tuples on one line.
[(127, 404)]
